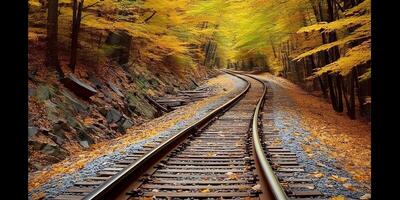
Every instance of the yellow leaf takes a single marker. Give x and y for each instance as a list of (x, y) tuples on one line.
[(256, 187), (205, 190), (88, 121), (317, 174), (339, 179), (348, 186), (231, 176), (211, 154), (340, 197), (365, 196)]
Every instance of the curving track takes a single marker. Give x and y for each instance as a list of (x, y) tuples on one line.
[(215, 162), (220, 156)]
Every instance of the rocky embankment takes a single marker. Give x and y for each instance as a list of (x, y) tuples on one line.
[(68, 116), (52, 180)]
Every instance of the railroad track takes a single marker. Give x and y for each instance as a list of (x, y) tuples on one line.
[(220, 156)]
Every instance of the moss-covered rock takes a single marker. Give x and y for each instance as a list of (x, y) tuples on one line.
[(45, 91), (140, 106)]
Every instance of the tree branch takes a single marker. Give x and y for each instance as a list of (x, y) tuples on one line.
[(151, 16), (338, 4)]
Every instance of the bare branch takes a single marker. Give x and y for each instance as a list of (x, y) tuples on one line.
[(338, 4), (151, 16)]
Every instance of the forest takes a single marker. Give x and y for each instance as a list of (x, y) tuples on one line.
[(321, 45), (95, 66)]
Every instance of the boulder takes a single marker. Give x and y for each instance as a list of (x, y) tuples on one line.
[(73, 122), (113, 115), (51, 110), (78, 105), (78, 87), (125, 124), (95, 130), (96, 82), (103, 110), (35, 145), (54, 150), (84, 139), (31, 91), (32, 131), (35, 165), (84, 144), (58, 139), (99, 125), (115, 89), (61, 124), (45, 92)]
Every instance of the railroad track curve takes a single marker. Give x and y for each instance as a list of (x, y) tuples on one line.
[(220, 156)]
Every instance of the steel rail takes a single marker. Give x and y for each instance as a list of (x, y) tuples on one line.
[(265, 168), (139, 166)]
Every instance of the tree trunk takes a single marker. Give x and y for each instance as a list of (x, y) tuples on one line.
[(323, 88), (346, 99), (206, 52), (339, 93), (332, 92), (214, 54), (325, 40), (352, 111), (358, 90), (321, 14), (316, 10), (331, 11), (52, 61), (335, 50), (348, 4), (76, 23)]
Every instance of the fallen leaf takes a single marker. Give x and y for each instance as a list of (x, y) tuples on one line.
[(329, 185), (242, 188), (340, 197), (366, 196), (256, 187), (296, 134), (211, 154), (205, 190), (231, 176), (310, 187), (348, 186), (88, 121), (318, 174), (320, 164), (339, 179)]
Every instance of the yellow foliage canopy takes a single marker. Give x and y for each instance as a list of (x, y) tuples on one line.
[(356, 56), (338, 24), (363, 32)]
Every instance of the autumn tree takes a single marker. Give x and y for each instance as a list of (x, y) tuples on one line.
[(340, 63), (77, 7), (52, 34)]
